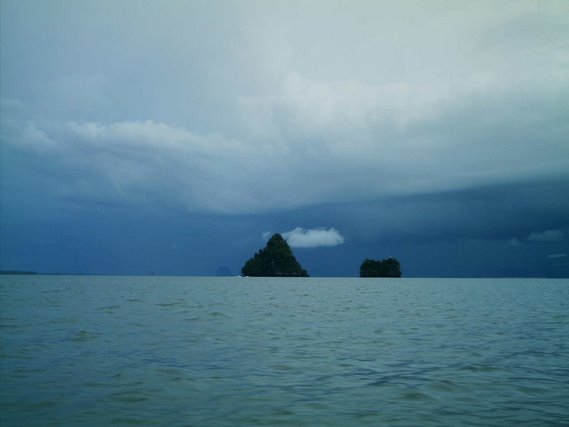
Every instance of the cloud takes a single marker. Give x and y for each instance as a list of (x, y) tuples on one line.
[(140, 160), (546, 236), (246, 174), (313, 238), (557, 256), (283, 124)]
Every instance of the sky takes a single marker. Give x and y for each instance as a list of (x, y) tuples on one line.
[(174, 137)]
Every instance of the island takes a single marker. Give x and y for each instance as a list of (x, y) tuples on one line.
[(389, 267), (275, 260)]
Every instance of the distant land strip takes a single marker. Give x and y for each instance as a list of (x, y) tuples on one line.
[(17, 272)]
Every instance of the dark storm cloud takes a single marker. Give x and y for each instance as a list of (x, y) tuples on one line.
[(393, 121), (209, 172)]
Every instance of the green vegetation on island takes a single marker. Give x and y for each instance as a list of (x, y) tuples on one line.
[(275, 260), (389, 267)]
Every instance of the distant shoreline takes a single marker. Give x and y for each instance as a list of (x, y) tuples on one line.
[(18, 272)]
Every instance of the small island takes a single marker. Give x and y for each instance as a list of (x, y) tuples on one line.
[(275, 260), (389, 267)]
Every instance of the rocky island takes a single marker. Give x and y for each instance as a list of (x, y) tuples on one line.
[(389, 267), (275, 260)]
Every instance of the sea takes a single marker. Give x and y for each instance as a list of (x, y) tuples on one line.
[(230, 351)]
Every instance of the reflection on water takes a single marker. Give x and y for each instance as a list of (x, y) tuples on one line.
[(330, 352)]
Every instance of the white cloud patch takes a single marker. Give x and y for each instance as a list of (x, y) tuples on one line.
[(313, 238), (546, 236)]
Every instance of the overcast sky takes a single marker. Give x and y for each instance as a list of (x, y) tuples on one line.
[(173, 137)]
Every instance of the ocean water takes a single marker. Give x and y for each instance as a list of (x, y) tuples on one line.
[(163, 351)]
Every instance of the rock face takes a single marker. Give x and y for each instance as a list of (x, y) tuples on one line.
[(389, 267), (275, 260)]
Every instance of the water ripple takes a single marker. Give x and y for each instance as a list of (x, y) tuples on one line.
[(329, 352)]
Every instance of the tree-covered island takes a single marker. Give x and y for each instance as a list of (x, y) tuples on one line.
[(275, 260), (389, 267)]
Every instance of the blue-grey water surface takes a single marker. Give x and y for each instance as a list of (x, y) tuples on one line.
[(163, 351)]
